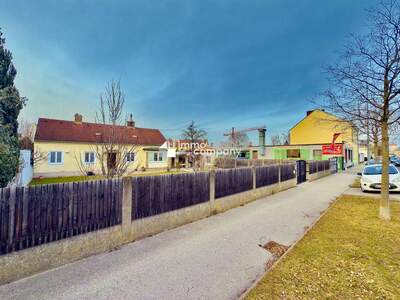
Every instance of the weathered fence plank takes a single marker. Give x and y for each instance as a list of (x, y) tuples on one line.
[(267, 175), (4, 219), (232, 181), (36, 215), (287, 172), (154, 195), (318, 166)]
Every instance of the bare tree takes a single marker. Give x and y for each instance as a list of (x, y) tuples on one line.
[(112, 103), (38, 156), (371, 129), (27, 129), (239, 140), (368, 74), (193, 133), (280, 139), (116, 142), (374, 132), (285, 138), (85, 168), (26, 132)]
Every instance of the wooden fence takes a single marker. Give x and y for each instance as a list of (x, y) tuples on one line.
[(287, 172), (319, 166), (41, 214), (233, 181), (154, 195), (267, 175), (229, 163)]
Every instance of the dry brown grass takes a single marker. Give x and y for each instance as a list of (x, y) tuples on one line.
[(349, 254)]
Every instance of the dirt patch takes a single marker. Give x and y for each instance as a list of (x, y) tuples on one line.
[(276, 249)]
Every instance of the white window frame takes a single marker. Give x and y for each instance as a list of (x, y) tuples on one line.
[(89, 162), (128, 154), (56, 162), (158, 154)]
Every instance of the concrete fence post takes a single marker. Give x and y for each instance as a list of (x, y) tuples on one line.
[(279, 173), (253, 170), (127, 192), (307, 170), (212, 190)]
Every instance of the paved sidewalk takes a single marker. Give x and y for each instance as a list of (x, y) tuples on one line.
[(214, 258)]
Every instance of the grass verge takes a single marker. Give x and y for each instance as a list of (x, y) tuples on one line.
[(51, 180), (349, 254)]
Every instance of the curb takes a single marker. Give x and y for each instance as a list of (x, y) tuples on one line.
[(372, 195)]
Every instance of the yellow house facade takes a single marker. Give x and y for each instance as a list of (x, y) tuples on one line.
[(319, 127), (71, 148)]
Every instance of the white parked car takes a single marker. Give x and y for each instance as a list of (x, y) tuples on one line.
[(371, 178)]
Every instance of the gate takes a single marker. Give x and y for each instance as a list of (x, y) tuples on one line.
[(301, 167), (333, 164)]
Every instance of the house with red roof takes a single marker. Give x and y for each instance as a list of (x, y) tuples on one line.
[(76, 147)]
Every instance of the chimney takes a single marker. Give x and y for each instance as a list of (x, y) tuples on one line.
[(130, 122), (310, 111), (78, 119)]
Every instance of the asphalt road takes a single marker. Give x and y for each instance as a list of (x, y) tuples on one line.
[(214, 258)]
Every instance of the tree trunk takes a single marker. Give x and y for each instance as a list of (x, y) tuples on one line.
[(375, 141), (376, 148), (384, 209)]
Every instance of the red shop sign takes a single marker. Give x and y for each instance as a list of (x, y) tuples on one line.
[(336, 149)]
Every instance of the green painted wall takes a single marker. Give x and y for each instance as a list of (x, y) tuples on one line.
[(326, 157), (305, 154), (279, 153), (282, 153)]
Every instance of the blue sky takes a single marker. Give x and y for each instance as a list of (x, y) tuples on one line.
[(219, 63)]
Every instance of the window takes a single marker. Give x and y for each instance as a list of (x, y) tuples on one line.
[(317, 154), (130, 157), (293, 153), (89, 157), (55, 157), (158, 156), (377, 170)]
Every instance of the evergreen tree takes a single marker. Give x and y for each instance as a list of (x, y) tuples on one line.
[(9, 156), (10, 105)]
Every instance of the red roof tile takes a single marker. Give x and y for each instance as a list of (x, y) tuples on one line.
[(69, 131)]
